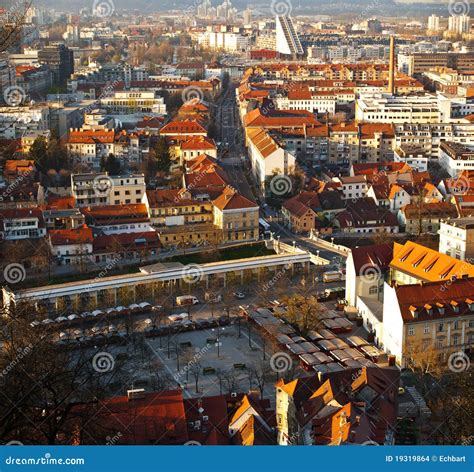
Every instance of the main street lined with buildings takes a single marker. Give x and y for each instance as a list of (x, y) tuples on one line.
[(227, 227)]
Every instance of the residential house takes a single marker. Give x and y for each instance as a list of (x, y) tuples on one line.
[(413, 263), (456, 238), (103, 189), (363, 216), (354, 187), (114, 219), (72, 246), (236, 216), (348, 407), (196, 146), (300, 212), (21, 223), (425, 217), (431, 320), (268, 159), (367, 267)]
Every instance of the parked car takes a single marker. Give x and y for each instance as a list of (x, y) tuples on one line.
[(239, 295), (187, 300)]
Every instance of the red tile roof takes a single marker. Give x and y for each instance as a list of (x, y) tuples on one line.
[(183, 127), (230, 199), (81, 235), (157, 418), (280, 118), (163, 198), (91, 137), (372, 259), (300, 204), (115, 214), (439, 296), (127, 241), (198, 143)]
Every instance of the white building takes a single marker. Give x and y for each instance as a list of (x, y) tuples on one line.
[(385, 108), (267, 158), (429, 136), (72, 246), (459, 24), (415, 156), (433, 23), (131, 102), (354, 187), (456, 238), (314, 102), (287, 40), (103, 189), (21, 223), (226, 40), (455, 158), (17, 121)]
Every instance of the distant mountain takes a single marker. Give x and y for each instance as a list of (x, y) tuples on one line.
[(405, 8)]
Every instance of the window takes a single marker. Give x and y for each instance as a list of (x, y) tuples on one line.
[(411, 331), (441, 327), (373, 290), (426, 329)]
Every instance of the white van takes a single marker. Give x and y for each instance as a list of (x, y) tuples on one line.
[(186, 300), (332, 276)]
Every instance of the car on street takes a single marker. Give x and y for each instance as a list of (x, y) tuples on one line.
[(239, 295)]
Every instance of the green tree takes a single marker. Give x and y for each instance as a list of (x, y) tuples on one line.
[(39, 152), (304, 312), (162, 155), (111, 165)]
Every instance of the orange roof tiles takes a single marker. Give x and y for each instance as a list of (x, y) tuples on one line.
[(198, 142), (262, 141), (81, 235), (280, 118), (17, 166), (427, 264), (183, 127), (444, 300), (91, 137), (231, 200)]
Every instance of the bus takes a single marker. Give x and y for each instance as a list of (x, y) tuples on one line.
[(264, 228)]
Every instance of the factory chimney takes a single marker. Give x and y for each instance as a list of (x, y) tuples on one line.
[(391, 78)]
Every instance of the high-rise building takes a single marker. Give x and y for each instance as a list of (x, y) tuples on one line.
[(433, 23), (247, 16), (459, 24), (60, 60), (287, 40)]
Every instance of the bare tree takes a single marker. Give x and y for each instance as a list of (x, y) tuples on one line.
[(260, 373), (195, 368), (43, 383), (12, 23)]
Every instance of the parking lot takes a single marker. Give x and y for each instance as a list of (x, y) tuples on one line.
[(218, 360)]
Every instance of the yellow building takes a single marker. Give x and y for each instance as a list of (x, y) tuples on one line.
[(236, 215), (413, 263), (430, 324)]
